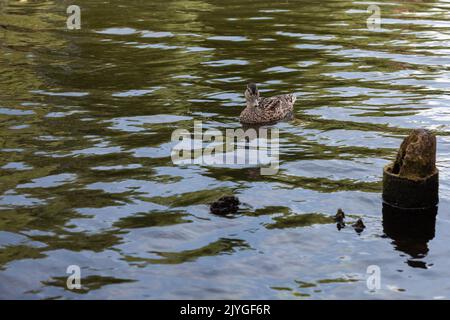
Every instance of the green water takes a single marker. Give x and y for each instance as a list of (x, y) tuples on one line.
[(86, 176)]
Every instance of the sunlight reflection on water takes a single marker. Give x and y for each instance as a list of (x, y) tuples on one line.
[(86, 176)]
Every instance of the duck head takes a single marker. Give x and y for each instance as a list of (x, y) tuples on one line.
[(252, 95)]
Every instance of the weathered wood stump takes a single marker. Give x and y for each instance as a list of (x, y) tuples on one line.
[(400, 224), (412, 181)]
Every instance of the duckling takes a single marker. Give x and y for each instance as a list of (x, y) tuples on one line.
[(339, 218), (340, 215), (225, 205), (261, 110), (359, 226)]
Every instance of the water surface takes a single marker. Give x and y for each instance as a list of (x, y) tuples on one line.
[(86, 177)]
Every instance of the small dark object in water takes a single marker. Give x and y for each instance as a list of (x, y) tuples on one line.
[(340, 215), (359, 226), (412, 180), (225, 205), (339, 218), (340, 225)]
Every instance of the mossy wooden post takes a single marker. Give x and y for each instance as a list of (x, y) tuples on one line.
[(412, 181), (407, 224)]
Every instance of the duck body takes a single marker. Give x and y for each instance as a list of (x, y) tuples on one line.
[(261, 110)]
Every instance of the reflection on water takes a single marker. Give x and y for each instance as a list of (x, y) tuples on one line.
[(86, 177), (410, 230)]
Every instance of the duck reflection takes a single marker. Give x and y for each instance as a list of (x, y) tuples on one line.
[(410, 230)]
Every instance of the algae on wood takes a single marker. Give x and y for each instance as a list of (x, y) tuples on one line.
[(416, 157)]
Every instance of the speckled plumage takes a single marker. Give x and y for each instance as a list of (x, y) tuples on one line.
[(261, 110)]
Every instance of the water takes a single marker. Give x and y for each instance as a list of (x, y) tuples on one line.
[(86, 176)]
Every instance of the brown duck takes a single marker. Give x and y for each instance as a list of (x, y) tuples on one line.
[(261, 110)]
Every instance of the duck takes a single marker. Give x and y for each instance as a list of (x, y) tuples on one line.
[(261, 110)]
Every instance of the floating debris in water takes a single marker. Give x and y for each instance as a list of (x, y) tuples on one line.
[(340, 215), (339, 218), (225, 205), (359, 226)]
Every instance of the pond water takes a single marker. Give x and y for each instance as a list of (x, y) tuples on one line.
[(87, 179)]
